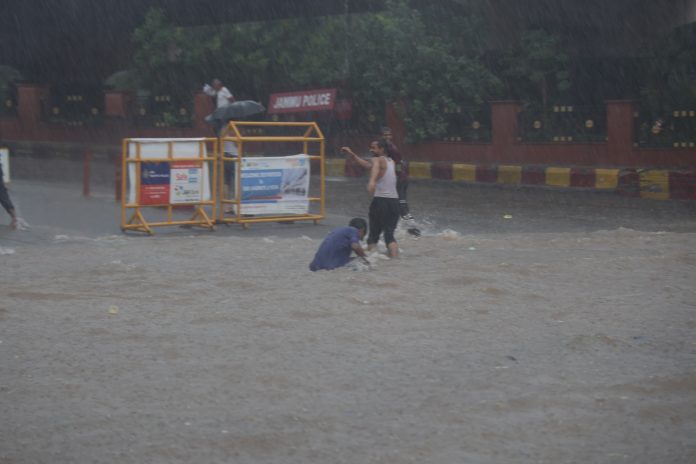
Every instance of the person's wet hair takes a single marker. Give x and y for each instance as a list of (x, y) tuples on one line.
[(382, 143), (358, 223)]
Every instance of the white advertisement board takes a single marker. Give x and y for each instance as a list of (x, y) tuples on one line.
[(163, 182), (275, 185)]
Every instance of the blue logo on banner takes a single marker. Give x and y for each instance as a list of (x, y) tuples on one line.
[(261, 183), (154, 173)]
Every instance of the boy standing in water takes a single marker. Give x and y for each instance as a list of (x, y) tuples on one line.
[(384, 209), (401, 168), (401, 171)]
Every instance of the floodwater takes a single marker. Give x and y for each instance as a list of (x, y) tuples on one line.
[(524, 326)]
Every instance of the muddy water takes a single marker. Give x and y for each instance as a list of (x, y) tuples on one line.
[(564, 333)]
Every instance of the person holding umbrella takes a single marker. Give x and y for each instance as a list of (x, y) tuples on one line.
[(223, 96), (219, 119), (236, 110), (230, 150)]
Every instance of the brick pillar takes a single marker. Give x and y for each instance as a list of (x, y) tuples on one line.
[(202, 106), (620, 132), (504, 128), (30, 99), (116, 103)]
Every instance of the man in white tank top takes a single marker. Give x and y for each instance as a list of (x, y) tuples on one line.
[(384, 209), (401, 178)]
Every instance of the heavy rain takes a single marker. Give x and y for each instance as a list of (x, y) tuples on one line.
[(171, 169)]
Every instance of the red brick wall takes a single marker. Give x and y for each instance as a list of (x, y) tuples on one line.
[(505, 148), (618, 151)]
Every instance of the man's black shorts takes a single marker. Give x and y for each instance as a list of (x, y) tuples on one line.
[(384, 216)]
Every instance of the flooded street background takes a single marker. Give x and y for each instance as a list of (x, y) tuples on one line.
[(524, 326)]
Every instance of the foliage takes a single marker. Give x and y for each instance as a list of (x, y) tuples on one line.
[(420, 52), (160, 62), (248, 57), (125, 80), (404, 53), (408, 53), (8, 76), (536, 69), (670, 81)]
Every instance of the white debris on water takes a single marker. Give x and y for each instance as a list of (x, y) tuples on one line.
[(449, 234), (6, 251), (406, 227), (118, 266), (111, 238), (103, 238), (71, 238)]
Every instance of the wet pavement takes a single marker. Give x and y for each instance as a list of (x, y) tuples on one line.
[(53, 208), (526, 326)]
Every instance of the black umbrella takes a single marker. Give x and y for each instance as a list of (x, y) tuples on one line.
[(236, 110)]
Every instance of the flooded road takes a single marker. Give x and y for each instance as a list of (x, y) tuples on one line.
[(524, 326)]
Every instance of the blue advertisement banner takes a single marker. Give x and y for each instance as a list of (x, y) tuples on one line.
[(261, 184), (154, 173)]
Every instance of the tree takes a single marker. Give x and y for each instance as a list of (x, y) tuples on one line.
[(536, 69), (670, 80), (165, 61), (8, 76), (425, 55)]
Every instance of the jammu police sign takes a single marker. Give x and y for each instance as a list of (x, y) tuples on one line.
[(301, 102)]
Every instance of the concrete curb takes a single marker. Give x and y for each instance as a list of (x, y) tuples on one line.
[(657, 184)]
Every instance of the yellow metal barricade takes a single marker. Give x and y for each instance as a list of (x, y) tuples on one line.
[(160, 176), (242, 134)]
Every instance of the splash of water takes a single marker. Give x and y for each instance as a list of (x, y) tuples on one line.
[(358, 265), (449, 234), (21, 224)]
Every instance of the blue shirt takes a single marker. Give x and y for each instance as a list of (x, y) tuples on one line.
[(335, 250)]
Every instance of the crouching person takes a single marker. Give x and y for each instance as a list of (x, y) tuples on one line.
[(336, 248)]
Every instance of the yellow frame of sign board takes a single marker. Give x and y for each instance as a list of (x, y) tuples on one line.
[(237, 132), (138, 219)]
